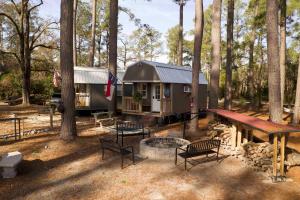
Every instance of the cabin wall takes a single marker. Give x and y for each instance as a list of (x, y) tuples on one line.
[(98, 100), (181, 100)]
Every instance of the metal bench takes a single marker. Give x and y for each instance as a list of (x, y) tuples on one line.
[(203, 147), (108, 144), (127, 128)]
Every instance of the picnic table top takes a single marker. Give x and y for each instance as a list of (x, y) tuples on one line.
[(255, 123), (12, 118)]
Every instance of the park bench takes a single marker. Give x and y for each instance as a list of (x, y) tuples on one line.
[(97, 114), (108, 144), (9, 163), (198, 148), (127, 128)]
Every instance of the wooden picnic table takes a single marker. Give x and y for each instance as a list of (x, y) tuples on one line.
[(17, 125), (250, 123)]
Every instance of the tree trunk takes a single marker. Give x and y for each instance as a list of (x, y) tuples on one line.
[(93, 35), (296, 116), (251, 58), (1, 33), (180, 32), (228, 87), (68, 127), (282, 48), (199, 22), (75, 32), (216, 54), (113, 46), (273, 62), (25, 53)]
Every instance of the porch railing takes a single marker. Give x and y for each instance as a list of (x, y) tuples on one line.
[(167, 106), (82, 100), (130, 105)]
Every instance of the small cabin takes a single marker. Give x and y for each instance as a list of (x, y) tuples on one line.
[(90, 85), (160, 89)]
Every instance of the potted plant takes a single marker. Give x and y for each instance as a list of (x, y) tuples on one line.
[(137, 97)]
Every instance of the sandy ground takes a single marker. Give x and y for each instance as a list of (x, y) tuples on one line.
[(54, 169)]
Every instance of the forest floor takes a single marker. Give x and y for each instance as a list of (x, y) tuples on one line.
[(54, 169)]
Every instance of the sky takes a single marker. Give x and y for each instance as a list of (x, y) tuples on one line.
[(160, 14)]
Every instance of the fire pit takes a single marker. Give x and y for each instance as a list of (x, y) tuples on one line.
[(161, 148)]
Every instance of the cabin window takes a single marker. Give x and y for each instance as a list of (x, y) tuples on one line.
[(143, 90), (128, 90), (157, 92), (81, 88), (187, 89), (167, 91)]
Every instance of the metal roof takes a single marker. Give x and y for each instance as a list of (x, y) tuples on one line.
[(93, 75), (168, 73)]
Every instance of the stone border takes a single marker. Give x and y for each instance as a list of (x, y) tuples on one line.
[(160, 153)]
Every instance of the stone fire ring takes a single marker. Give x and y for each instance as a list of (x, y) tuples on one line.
[(161, 148)]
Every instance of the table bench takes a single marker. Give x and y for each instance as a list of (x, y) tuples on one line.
[(108, 144), (198, 148), (249, 123), (9, 163)]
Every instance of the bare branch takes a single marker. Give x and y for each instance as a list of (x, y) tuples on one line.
[(43, 46), (34, 7), (12, 21), (11, 53), (16, 7), (38, 33)]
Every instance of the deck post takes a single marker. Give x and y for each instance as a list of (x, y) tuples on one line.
[(282, 154), (250, 135), (239, 135), (161, 98), (275, 145), (233, 136), (123, 101), (246, 138)]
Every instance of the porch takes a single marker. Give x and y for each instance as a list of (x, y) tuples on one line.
[(154, 99)]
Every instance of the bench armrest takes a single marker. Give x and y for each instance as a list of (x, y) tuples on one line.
[(183, 149), (128, 147)]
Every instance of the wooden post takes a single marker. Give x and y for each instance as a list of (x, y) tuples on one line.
[(275, 145), (171, 97), (282, 154), (250, 135), (161, 98), (15, 124), (123, 100), (51, 116), (233, 136), (245, 140), (239, 135)]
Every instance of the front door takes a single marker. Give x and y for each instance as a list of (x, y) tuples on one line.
[(155, 98)]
